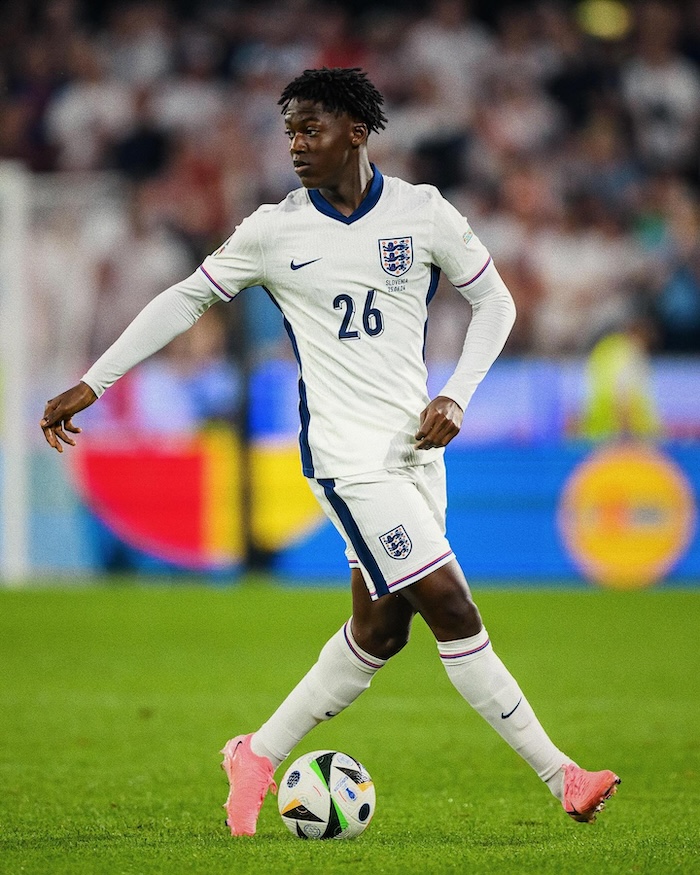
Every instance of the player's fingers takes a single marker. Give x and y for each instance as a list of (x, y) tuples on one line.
[(60, 433), (448, 437), (425, 444), (51, 406), (426, 427), (432, 426), (443, 433), (68, 425), (425, 437), (439, 435), (53, 415), (51, 439)]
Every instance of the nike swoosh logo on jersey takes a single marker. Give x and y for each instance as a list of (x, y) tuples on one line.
[(303, 263), (506, 716)]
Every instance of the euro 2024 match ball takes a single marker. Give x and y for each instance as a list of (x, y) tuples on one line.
[(326, 794)]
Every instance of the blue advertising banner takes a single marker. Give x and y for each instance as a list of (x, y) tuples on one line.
[(505, 520), (531, 497)]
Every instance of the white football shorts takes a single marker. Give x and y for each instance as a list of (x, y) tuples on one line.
[(393, 523)]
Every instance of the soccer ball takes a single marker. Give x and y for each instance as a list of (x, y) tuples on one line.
[(326, 795)]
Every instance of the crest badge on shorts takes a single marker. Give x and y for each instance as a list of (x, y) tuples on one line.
[(397, 543), (396, 255)]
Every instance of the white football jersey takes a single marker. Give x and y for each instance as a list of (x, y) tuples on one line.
[(354, 293)]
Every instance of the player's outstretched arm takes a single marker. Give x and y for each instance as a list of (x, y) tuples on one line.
[(59, 412), (167, 315)]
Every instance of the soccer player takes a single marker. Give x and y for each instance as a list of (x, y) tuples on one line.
[(352, 260)]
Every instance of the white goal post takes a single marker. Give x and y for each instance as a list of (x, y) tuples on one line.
[(15, 183)]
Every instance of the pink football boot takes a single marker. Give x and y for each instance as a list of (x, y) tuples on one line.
[(585, 793), (249, 777)]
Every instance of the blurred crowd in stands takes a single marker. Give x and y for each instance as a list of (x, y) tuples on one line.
[(569, 134)]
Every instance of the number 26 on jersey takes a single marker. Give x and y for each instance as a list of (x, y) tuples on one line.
[(372, 317)]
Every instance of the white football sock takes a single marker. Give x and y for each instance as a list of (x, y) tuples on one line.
[(343, 671), (482, 679)]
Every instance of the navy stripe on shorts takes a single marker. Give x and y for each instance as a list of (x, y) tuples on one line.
[(364, 554)]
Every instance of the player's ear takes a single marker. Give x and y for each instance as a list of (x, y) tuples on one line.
[(359, 133)]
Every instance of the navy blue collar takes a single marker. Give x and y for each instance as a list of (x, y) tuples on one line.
[(368, 202)]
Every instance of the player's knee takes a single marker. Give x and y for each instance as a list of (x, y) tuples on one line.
[(452, 617), (444, 601), (379, 641), (458, 618), (394, 643)]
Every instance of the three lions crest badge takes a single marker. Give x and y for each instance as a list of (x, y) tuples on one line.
[(397, 543), (396, 255)]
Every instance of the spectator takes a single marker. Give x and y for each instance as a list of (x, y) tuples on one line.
[(516, 119), (387, 60), (85, 118), (677, 308), (138, 42), (675, 248), (583, 73), (600, 162), (192, 99), (661, 90), (143, 150), (144, 259), (451, 45), (338, 43), (427, 135), (31, 88), (587, 267)]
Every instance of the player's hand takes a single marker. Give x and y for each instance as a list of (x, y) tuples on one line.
[(439, 423), (59, 412)]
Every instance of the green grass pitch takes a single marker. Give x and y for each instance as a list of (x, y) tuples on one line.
[(115, 700)]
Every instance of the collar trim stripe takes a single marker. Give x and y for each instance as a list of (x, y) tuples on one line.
[(369, 201)]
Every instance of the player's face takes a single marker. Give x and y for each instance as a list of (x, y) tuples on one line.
[(323, 145)]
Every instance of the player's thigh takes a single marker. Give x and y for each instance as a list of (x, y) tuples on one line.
[(444, 601), (381, 626)]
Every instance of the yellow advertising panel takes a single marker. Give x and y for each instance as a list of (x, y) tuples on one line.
[(626, 515)]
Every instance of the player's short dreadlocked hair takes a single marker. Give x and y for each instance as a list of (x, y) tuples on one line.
[(338, 90)]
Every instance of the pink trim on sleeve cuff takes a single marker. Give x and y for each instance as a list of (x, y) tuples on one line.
[(214, 283), (476, 277)]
